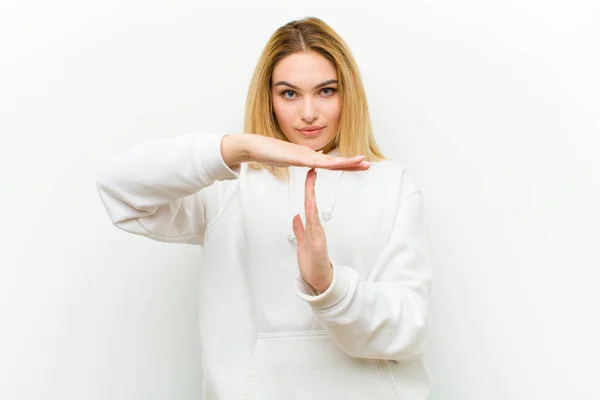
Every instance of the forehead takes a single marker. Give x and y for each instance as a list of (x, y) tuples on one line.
[(304, 69)]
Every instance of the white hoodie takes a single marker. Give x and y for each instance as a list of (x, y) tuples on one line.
[(264, 334)]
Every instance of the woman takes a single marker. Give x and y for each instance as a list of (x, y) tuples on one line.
[(309, 288)]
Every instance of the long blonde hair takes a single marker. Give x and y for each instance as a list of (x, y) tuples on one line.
[(355, 135)]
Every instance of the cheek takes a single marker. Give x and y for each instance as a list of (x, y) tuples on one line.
[(284, 113), (333, 110)]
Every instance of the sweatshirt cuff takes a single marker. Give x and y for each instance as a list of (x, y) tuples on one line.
[(208, 157), (343, 284)]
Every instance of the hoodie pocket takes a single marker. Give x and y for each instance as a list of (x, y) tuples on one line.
[(309, 365)]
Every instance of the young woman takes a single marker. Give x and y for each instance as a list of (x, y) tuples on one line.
[(310, 287)]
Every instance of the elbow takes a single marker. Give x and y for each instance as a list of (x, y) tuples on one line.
[(103, 185), (114, 205), (103, 193), (104, 180)]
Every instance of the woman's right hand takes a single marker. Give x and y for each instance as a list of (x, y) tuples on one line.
[(245, 147)]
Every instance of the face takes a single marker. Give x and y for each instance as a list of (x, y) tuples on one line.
[(304, 92)]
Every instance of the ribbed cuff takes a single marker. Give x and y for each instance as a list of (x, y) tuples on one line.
[(207, 149), (344, 280)]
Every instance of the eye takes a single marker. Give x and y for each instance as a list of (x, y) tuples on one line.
[(286, 91), (329, 94)]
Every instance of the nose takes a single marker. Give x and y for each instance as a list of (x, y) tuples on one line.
[(309, 110)]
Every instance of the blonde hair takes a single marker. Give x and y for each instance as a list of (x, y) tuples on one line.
[(355, 135)]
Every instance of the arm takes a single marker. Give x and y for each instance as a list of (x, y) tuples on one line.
[(386, 316), (159, 189), (156, 188)]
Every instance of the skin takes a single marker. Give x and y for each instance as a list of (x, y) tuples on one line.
[(313, 259), (300, 102)]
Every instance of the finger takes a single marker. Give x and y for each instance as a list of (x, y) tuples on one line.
[(321, 158), (320, 161), (310, 200), (342, 162), (363, 166), (298, 228)]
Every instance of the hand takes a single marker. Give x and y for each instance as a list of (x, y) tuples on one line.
[(313, 259), (250, 147)]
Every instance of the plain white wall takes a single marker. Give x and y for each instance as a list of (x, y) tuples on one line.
[(494, 105)]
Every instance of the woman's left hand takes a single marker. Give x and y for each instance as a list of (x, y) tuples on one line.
[(313, 259)]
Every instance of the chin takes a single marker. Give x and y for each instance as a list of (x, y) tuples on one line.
[(313, 144), (316, 143)]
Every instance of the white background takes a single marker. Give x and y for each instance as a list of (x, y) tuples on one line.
[(494, 105)]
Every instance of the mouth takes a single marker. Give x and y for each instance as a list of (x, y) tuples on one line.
[(311, 132)]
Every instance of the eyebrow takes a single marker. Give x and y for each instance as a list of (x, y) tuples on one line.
[(297, 88)]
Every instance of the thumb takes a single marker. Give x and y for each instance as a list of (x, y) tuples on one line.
[(298, 228)]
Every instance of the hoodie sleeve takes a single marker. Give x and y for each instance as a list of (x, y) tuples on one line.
[(386, 316), (157, 188)]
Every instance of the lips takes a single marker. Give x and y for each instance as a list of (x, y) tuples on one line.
[(310, 132), (311, 128)]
